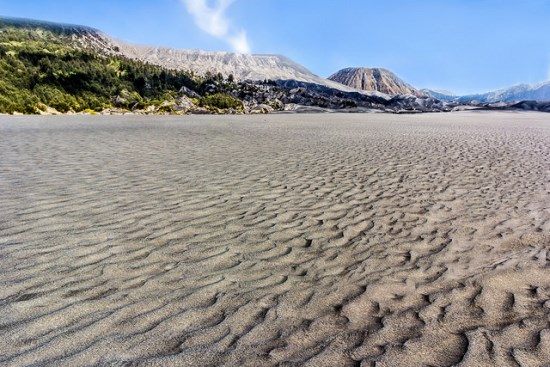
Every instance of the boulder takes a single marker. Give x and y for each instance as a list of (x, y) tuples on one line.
[(126, 98), (189, 92), (184, 103), (262, 108)]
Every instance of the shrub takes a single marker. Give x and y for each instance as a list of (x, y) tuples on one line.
[(221, 100)]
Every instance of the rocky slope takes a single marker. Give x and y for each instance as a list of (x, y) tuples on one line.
[(373, 79), (241, 66)]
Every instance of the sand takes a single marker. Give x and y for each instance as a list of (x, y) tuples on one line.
[(317, 240)]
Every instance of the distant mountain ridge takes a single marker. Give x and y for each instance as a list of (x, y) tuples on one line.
[(441, 95), (522, 92), (373, 79)]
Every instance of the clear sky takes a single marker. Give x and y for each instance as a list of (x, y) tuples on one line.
[(464, 46)]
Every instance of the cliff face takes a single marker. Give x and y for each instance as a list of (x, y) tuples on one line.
[(373, 79)]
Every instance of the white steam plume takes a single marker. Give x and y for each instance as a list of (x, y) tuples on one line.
[(211, 18)]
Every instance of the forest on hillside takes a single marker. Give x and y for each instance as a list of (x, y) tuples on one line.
[(41, 68)]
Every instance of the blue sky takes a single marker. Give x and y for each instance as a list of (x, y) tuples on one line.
[(464, 46)]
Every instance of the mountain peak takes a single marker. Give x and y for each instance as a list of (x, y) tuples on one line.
[(373, 79)]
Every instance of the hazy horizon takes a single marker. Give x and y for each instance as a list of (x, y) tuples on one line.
[(464, 46)]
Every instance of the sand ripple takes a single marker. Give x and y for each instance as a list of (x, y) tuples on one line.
[(330, 240)]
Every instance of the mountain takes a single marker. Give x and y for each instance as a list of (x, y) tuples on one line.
[(49, 68), (373, 79), (522, 92), (241, 66), (442, 95)]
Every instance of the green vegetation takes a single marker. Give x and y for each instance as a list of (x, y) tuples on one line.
[(221, 101), (40, 67)]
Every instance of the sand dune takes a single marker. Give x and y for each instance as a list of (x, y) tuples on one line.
[(321, 240)]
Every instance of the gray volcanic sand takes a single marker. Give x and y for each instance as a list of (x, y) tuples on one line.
[(320, 240)]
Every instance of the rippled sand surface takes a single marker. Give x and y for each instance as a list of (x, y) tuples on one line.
[(318, 240)]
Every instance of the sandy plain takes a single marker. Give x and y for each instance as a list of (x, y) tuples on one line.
[(318, 240)]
